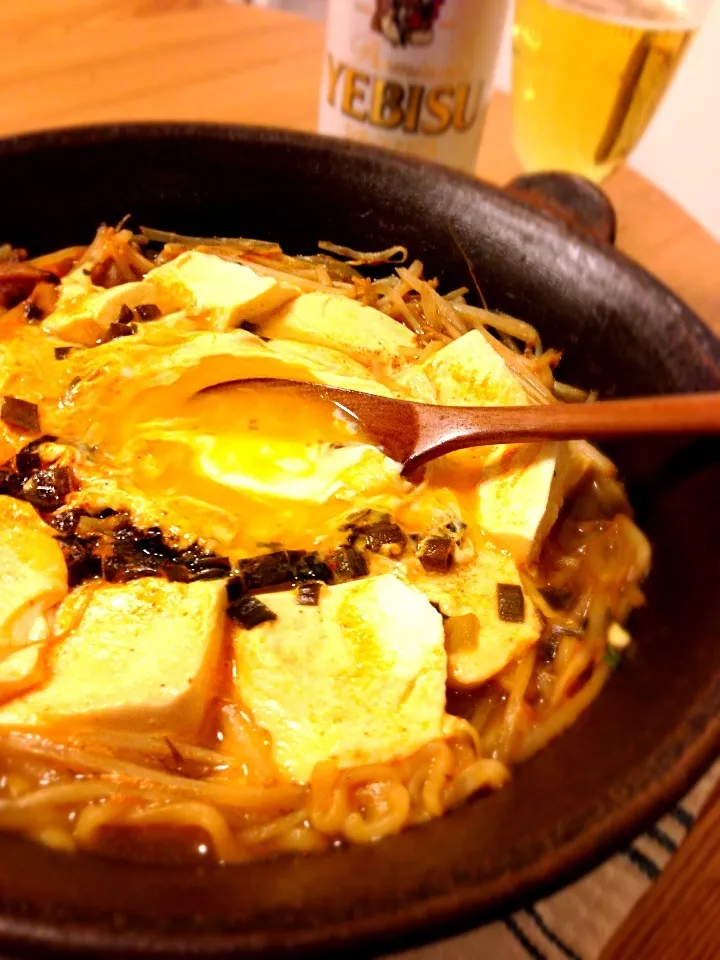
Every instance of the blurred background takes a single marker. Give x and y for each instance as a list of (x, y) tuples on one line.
[(680, 150)]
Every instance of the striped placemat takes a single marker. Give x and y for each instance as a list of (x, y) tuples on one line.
[(577, 922)]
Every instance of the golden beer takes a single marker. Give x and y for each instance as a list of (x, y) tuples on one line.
[(587, 78)]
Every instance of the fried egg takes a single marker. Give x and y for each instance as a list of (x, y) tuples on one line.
[(287, 465), (232, 449)]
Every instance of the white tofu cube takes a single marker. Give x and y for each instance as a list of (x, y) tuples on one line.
[(33, 575), (143, 657), (473, 589), (84, 316), (358, 679), (361, 332), (227, 292), (514, 482), (22, 669)]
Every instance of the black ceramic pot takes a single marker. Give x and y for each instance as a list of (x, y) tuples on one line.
[(655, 727)]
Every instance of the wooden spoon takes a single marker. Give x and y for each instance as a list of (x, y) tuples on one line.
[(415, 433)]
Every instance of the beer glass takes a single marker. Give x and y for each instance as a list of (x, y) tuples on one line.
[(589, 74)]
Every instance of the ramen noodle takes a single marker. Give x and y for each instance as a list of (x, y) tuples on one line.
[(230, 627)]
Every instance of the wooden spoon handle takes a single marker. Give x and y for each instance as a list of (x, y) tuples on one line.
[(685, 413), (466, 427)]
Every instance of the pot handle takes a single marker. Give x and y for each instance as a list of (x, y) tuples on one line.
[(570, 198)]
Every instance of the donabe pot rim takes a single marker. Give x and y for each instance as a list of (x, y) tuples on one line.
[(421, 921), (665, 775), (297, 141)]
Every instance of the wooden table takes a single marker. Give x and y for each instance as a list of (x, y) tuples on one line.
[(84, 61)]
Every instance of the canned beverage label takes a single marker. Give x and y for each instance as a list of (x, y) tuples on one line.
[(413, 75)]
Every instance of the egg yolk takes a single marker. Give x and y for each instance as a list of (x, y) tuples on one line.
[(287, 465)]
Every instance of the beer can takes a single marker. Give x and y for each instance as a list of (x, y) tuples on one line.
[(412, 75)]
